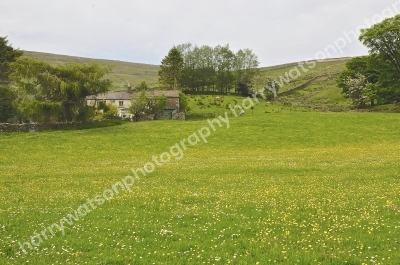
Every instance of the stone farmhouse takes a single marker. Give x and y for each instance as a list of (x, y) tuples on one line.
[(122, 99)]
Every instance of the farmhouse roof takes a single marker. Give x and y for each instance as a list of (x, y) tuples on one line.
[(157, 93), (120, 95), (127, 95)]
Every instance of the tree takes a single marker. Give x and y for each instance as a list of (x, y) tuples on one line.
[(110, 111), (217, 69), (361, 66), (356, 89), (183, 103), (388, 85), (170, 72), (262, 84), (142, 86), (198, 68), (383, 39), (246, 67), (144, 105), (224, 71), (7, 110), (57, 93), (7, 56), (138, 105), (106, 110), (157, 104), (383, 42)]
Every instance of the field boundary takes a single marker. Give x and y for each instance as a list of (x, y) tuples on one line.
[(37, 127), (287, 92)]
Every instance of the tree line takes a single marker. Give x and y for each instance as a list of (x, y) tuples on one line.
[(375, 79), (206, 68), (35, 90)]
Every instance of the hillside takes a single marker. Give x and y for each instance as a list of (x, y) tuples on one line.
[(314, 88), (122, 73)]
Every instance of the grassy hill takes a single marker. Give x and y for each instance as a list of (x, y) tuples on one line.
[(281, 188), (317, 86), (314, 90), (122, 73)]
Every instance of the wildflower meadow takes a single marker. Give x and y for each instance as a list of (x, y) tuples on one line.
[(272, 188)]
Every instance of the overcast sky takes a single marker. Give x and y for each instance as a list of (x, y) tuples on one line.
[(144, 30)]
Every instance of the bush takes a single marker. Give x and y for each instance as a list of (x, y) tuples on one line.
[(110, 111)]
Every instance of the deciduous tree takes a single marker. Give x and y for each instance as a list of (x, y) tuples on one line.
[(7, 110), (183, 103), (356, 89), (383, 42), (361, 66), (57, 92), (147, 105), (246, 67), (224, 68), (142, 86), (383, 39), (217, 69)]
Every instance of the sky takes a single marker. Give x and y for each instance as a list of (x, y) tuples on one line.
[(143, 31)]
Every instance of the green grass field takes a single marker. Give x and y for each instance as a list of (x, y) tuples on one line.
[(273, 188)]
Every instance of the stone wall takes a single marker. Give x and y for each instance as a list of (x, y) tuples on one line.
[(172, 103), (14, 127), (37, 127), (146, 117), (179, 116)]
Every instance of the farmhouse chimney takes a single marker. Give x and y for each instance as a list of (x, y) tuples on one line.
[(129, 88)]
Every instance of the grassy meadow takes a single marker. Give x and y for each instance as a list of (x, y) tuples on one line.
[(203, 104), (273, 188)]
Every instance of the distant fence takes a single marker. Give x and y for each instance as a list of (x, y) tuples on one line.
[(212, 93), (163, 116), (37, 127), (207, 115), (300, 87), (199, 115)]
